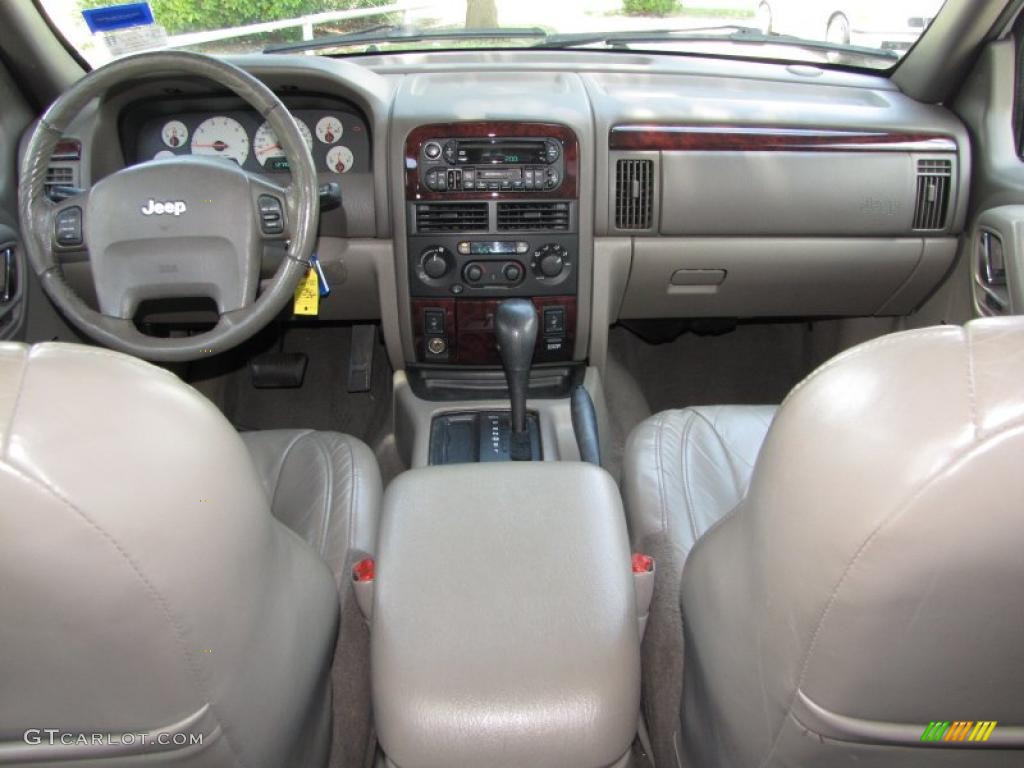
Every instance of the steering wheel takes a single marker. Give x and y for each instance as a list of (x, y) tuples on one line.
[(171, 228)]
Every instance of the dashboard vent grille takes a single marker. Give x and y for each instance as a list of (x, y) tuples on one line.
[(634, 194), (533, 216), (934, 178), (451, 217)]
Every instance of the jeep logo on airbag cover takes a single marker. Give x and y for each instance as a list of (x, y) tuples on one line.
[(173, 207)]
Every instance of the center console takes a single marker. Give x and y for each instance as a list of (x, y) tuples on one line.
[(506, 619), (492, 213)]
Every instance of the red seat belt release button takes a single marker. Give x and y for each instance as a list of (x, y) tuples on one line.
[(643, 582)]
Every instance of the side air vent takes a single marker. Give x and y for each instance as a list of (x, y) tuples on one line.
[(451, 217), (634, 194), (934, 178), (533, 216)]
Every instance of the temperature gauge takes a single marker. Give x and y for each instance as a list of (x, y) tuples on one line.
[(340, 159)]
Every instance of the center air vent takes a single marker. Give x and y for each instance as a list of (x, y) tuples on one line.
[(533, 216), (634, 194), (934, 179), (451, 217)]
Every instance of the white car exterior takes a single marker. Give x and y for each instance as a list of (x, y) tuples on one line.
[(891, 24)]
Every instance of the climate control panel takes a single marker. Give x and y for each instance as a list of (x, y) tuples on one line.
[(489, 266)]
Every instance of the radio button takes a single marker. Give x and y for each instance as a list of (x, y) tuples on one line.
[(552, 151), (449, 152), (474, 273), (512, 273), (432, 150)]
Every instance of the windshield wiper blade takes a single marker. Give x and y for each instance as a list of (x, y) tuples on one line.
[(740, 34), (393, 33)]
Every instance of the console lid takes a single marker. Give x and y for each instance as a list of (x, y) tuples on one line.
[(504, 620)]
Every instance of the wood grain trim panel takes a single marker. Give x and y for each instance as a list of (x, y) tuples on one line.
[(708, 138), (469, 327), (482, 130)]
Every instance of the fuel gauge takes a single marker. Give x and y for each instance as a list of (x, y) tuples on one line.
[(329, 129)]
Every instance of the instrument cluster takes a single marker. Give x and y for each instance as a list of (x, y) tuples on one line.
[(337, 139)]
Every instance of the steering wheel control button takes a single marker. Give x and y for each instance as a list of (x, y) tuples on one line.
[(271, 215), (67, 227)]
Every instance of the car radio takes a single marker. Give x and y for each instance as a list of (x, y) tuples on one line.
[(491, 164)]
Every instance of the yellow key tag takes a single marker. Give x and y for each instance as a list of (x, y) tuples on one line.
[(307, 295)]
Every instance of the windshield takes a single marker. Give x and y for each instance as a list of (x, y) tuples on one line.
[(858, 33)]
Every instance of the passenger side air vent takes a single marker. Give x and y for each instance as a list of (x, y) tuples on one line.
[(451, 217), (533, 216), (934, 178), (634, 194)]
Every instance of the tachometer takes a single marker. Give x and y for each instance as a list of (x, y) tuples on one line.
[(329, 129), (221, 137), (265, 145), (340, 159), (174, 133)]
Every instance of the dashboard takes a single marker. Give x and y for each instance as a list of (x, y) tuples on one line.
[(604, 187)]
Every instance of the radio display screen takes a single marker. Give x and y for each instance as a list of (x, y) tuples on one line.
[(510, 153), (493, 248)]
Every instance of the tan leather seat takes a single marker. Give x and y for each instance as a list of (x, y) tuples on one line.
[(146, 586), (861, 580)]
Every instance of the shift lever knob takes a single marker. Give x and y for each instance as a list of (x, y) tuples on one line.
[(516, 328)]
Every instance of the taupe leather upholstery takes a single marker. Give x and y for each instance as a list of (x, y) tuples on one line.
[(869, 581), (683, 471), (146, 588), (504, 621)]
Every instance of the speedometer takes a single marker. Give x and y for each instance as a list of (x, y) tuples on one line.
[(221, 137), (266, 146)]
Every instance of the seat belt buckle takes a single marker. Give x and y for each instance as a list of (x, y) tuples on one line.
[(643, 583), (364, 573)]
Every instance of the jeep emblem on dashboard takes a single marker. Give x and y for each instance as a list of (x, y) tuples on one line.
[(152, 207)]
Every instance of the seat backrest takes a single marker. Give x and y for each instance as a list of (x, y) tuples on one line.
[(863, 603), (144, 586)]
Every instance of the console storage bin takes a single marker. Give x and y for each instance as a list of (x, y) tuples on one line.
[(504, 628)]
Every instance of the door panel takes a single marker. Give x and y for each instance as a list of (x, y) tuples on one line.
[(14, 117), (988, 104)]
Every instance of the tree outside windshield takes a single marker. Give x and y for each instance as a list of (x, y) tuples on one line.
[(863, 33)]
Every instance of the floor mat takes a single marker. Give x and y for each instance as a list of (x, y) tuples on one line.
[(755, 363), (322, 402)]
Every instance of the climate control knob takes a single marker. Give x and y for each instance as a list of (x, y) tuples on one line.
[(436, 262), (550, 260)]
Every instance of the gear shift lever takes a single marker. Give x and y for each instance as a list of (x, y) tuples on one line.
[(516, 328)]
